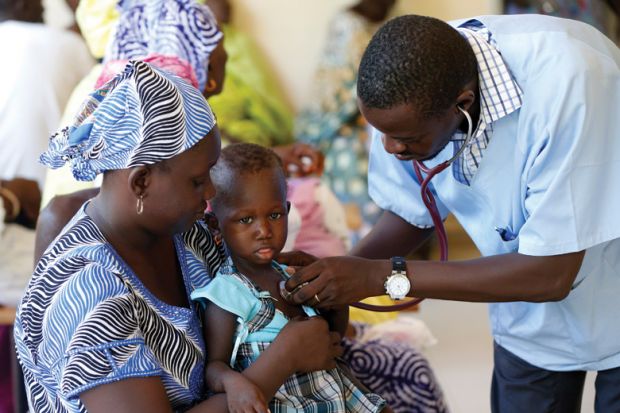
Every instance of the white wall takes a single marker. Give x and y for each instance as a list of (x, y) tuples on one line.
[(291, 32)]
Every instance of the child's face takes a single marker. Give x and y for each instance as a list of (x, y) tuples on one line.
[(254, 218)]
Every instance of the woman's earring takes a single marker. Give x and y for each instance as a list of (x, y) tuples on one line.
[(211, 85), (140, 205)]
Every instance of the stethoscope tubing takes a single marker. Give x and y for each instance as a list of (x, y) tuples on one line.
[(431, 206)]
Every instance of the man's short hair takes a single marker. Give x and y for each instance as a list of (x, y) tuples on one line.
[(415, 60)]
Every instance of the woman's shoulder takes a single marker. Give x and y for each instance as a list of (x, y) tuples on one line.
[(79, 241), (206, 246), (77, 267)]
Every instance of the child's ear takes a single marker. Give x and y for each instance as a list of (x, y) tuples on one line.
[(288, 206)]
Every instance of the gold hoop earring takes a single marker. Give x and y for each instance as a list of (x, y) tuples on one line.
[(140, 205), (211, 85)]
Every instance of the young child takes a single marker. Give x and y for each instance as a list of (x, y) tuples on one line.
[(244, 311)]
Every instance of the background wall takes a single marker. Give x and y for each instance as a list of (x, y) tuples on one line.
[(291, 32)]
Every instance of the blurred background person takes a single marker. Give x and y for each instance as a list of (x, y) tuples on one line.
[(40, 67), (19, 207), (602, 14), (331, 120)]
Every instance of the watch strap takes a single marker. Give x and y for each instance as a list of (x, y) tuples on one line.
[(399, 264)]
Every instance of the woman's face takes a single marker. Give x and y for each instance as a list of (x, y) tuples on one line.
[(216, 70), (178, 190)]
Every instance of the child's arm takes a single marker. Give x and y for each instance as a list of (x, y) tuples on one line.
[(241, 393), (338, 319)]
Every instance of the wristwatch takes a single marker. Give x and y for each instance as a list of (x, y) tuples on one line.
[(397, 284)]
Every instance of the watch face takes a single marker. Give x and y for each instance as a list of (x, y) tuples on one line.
[(399, 286)]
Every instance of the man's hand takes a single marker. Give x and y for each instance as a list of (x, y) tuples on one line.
[(336, 281), (296, 258)]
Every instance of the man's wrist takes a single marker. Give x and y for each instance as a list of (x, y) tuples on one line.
[(397, 283), (383, 267)]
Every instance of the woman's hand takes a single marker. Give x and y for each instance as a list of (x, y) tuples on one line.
[(335, 281), (300, 159), (309, 345)]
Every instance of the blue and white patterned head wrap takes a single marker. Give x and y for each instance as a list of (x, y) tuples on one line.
[(181, 28), (140, 117)]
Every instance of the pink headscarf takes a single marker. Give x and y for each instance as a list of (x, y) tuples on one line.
[(169, 63)]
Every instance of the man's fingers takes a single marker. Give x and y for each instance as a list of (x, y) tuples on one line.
[(303, 275), (296, 258)]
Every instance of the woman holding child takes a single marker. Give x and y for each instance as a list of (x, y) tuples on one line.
[(106, 323), (131, 252)]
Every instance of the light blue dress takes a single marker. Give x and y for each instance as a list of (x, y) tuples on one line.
[(547, 184)]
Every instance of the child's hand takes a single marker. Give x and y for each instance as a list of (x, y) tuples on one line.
[(243, 396)]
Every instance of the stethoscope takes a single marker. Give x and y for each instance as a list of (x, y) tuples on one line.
[(431, 206)]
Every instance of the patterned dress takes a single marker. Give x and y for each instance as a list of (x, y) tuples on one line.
[(396, 371), (326, 391), (86, 319), (332, 122)]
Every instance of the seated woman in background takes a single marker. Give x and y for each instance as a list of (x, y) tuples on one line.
[(19, 207), (253, 109), (106, 323), (331, 120), (164, 34)]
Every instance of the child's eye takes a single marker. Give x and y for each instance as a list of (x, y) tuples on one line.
[(275, 215), (246, 220)]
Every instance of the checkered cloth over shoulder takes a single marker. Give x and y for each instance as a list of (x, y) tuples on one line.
[(500, 95)]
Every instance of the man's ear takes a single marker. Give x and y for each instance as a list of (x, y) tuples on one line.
[(139, 180), (465, 100)]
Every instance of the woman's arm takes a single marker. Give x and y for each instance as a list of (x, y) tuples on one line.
[(303, 345)]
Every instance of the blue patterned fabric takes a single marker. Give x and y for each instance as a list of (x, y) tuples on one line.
[(398, 372), (86, 320), (140, 117), (181, 28)]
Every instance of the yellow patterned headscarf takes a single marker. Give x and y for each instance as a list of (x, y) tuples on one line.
[(97, 19)]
